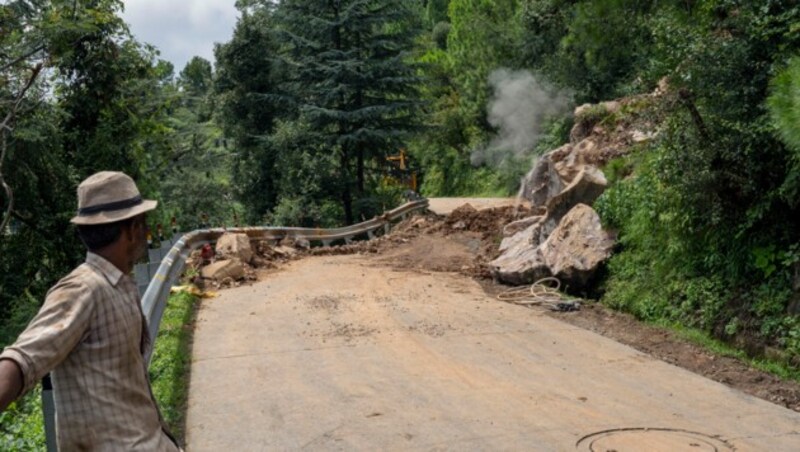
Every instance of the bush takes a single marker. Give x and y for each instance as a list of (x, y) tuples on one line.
[(22, 424)]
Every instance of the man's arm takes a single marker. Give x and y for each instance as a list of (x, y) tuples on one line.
[(10, 382), (50, 337)]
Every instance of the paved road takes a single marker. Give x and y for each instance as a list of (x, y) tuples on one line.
[(444, 206), (340, 353)]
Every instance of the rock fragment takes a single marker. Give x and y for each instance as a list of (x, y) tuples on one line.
[(234, 246)]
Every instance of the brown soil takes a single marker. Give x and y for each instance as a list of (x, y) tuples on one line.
[(464, 241)]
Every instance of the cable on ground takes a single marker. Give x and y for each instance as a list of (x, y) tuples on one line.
[(543, 292)]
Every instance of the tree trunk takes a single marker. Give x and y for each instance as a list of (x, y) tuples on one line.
[(360, 171), (359, 103), (347, 200)]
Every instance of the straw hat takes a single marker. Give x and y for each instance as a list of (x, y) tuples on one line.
[(107, 197)]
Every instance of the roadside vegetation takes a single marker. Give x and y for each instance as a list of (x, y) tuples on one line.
[(172, 358), (293, 122)]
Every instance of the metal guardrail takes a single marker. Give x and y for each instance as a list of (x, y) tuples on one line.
[(154, 300)]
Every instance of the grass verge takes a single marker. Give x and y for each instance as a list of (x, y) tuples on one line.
[(717, 347), (171, 363)]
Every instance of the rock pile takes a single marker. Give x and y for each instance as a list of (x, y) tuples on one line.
[(235, 259), (563, 237)]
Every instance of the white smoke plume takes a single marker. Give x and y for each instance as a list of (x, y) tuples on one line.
[(517, 109)]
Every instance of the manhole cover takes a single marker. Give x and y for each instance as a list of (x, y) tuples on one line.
[(652, 440)]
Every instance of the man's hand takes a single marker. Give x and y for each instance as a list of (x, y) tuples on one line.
[(10, 382)]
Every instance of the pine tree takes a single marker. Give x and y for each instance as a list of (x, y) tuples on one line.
[(245, 80), (351, 82)]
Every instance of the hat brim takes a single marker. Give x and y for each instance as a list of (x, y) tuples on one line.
[(115, 215)]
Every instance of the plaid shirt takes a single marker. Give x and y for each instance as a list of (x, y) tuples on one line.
[(92, 335)]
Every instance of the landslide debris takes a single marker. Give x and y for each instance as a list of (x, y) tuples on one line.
[(465, 242), (561, 188)]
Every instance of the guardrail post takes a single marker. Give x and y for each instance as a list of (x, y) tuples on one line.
[(49, 413)]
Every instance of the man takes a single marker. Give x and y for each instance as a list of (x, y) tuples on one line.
[(91, 333)]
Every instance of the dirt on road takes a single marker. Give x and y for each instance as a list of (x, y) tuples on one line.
[(356, 353), (459, 253), (401, 272), (467, 249)]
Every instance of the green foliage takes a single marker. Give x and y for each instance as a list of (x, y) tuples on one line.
[(543, 24), (196, 81), (440, 34), (350, 80), (22, 424), (195, 175), (720, 348), (784, 103), (308, 184), (99, 108), (20, 311), (169, 368), (482, 38), (246, 78), (436, 11), (784, 107), (708, 218)]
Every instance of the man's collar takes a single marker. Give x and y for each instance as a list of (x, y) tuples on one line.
[(106, 268)]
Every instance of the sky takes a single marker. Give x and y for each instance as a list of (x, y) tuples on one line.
[(181, 29)]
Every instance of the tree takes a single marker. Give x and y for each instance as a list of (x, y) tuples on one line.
[(482, 38), (350, 79), (784, 106), (195, 176), (248, 102), (196, 80)]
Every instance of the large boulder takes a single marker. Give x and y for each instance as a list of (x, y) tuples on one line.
[(522, 238), (542, 182), (562, 169), (229, 268), (577, 247), (235, 246), (514, 227), (572, 251), (587, 186), (560, 181), (522, 263)]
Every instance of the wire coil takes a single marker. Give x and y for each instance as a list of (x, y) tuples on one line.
[(543, 292)]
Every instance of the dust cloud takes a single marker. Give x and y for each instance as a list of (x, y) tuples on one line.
[(519, 105)]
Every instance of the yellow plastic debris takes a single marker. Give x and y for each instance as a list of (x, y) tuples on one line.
[(193, 290)]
